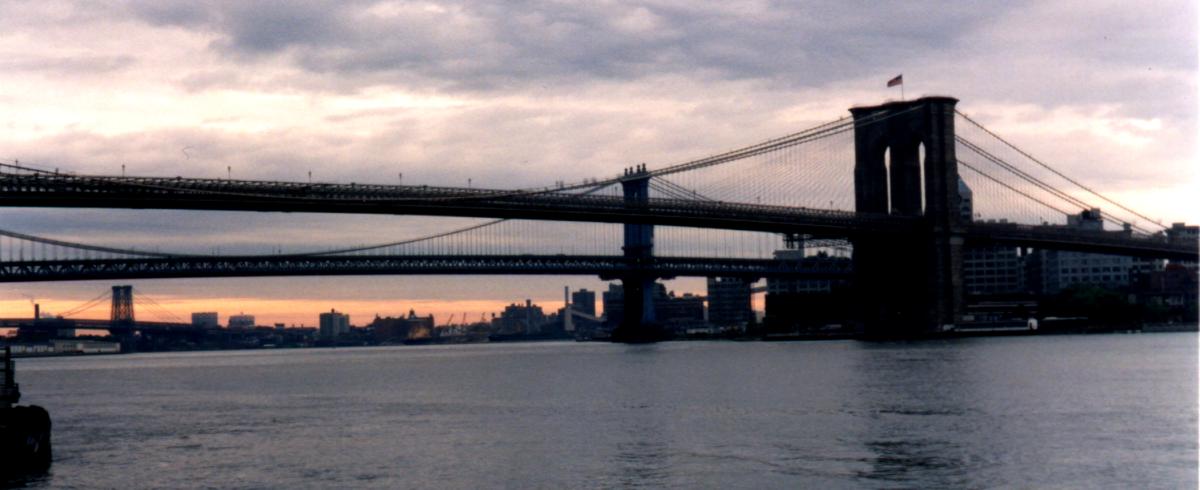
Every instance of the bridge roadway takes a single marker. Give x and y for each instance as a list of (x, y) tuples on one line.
[(607, 267), (63, 190), (92, 324)]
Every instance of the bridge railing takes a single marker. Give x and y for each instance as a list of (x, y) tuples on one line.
[(1117, 242)]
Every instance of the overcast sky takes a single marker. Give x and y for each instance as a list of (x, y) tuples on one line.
[(512, 93)]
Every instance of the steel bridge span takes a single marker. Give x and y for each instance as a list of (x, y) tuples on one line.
[(74, 191), (609, 267)]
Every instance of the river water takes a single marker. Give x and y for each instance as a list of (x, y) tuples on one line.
[(1092, 411)]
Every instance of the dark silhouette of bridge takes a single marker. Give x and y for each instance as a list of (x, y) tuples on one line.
[(121, 321), (907, 224)]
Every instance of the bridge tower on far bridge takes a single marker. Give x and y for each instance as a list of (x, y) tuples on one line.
[(909, 285), (122, 306)]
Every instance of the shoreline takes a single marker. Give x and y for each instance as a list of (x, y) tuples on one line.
[(795, 337)]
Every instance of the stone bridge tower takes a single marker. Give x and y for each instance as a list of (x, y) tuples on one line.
[(912, 284), (638, 323)]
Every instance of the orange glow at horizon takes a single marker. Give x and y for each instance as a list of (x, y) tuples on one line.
[(291, 312), (300, 311)]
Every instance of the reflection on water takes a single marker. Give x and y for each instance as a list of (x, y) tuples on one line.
[(640, 454), (916, 389), (642, 462), (1064, 411), (917, 461)]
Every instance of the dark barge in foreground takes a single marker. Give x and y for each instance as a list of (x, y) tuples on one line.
[(24, 431)]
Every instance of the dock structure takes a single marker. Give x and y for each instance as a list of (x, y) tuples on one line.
[(24, 430), (10, 392)]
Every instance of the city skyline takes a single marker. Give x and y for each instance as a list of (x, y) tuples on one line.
[(446, 94), (268, 312)]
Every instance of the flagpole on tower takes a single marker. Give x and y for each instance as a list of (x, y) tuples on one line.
[(897, 80)]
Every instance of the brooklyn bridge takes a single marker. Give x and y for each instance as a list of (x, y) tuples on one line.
[(904, 188)]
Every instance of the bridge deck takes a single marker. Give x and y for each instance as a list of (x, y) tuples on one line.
[(61, 190), (58, 190), (293, 265)]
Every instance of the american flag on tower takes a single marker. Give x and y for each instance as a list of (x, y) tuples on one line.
[(899, 80)]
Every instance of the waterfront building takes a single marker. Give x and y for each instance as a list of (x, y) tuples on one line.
[(784, 285), (584, 301), (1169, 295), (729, 302), (670, 310), (333, 324), (994, 270), (614, 306), (678, 313), (1182, 233), (990, 270), (966, 201), (402, 328), (1056, 270), (241, 322), (795, 304), (205, 319), (520, 319)]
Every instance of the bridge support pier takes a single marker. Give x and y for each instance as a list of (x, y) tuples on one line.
[(909, 285), (638, 321)]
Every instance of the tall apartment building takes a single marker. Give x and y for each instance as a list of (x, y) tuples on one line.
[(333, 324), (584, 301)]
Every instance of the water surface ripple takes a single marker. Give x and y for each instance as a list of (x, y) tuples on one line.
[(1028, 412)]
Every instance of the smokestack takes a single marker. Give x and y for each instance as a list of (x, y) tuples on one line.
[(568, 323), (37, 311), (528, 316)]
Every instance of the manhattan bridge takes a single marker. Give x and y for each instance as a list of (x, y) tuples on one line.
[(903, 188)]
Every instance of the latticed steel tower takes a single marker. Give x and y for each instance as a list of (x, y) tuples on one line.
[(122, 305)]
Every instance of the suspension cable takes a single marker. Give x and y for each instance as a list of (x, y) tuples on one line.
[(160, 309), (818, 132), (1056, 172), (1009, 187), (680, 191), (1035, 181), (1023, 175), (86, 305), (84, 246)]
